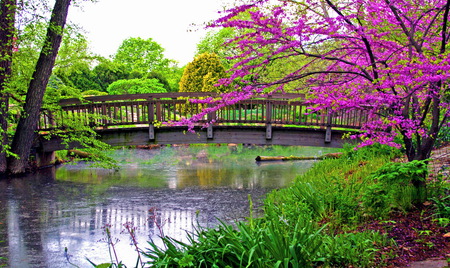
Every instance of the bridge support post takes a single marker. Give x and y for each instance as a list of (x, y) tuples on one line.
[(269, 107), (328, 129), (209, 130), (151, 119), (44, 159), (268, 131)]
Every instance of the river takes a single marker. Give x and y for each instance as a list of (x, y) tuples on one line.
[(165, 191)]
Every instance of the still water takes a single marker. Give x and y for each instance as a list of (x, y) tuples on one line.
[(166, 191)]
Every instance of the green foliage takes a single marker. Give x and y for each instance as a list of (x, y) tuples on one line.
[(71, 67), (443, 136), (144, 55), (78, 76), (3, 259), (393, 189), (89, 93), (357, 249), (57, 90), (161, 79), (136, 86), (107, 72), (77, 131), (442, 204), (214, 43), (202, 74), (292, 233), (402, 173), (266, 244)]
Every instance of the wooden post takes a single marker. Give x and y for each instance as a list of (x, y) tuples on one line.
[(51, 120), (104, 120), (91, 111), (158, 111), (269, 106), (151, 120), (209, 130), (328, 130)]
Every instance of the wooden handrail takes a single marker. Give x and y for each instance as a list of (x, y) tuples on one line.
[(147, 109), (173, 95)]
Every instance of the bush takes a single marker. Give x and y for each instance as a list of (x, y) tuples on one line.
[(393, 187), (136, 86)]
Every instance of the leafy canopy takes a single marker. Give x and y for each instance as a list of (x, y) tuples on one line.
[(136, 86), (144, 55)]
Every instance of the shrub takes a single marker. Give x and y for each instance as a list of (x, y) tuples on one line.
[(136, 86), (393, 187)]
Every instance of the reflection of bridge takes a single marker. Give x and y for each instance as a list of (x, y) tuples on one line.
[(120, 120)]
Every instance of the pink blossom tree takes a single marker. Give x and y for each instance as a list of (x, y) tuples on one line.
[(388, 57)]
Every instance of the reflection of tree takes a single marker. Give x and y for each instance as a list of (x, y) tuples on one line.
[(203, 175), (29, 222), (4, 204)]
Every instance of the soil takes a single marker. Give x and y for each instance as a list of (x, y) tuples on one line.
[(420, 241), (417, 237)]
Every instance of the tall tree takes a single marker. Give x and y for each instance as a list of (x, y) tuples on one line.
[(143, 55), (7, 30), (25, 132), (388, 57)]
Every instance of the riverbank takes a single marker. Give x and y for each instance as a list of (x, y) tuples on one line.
[(346, 212)]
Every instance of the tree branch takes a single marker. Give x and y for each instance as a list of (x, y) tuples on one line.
[(444, 27), (364, 39)]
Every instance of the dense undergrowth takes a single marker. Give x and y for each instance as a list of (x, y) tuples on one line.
[(314, 223)]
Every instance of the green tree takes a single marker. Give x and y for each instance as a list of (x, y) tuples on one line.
[(173, 75), (215, 42), (79, 76), (108, 71), (72, 64), (143, 55), (202, 74), (161, 79), (136, 86)]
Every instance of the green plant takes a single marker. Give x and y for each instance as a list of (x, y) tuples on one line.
[(353, 249), (443, 136), (3, 259), (393, 188), (269, 243), (377, 201), (402, 173), (442, 206), (444, 222)]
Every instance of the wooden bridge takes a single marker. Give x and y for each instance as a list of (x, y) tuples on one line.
[(122, 120)]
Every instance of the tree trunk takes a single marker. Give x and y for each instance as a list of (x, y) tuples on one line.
[(25, 132), (7, 29)]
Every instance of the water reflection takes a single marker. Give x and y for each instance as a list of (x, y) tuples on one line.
[(163, 192)]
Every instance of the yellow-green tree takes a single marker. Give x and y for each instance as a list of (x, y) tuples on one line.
[(202, 74)]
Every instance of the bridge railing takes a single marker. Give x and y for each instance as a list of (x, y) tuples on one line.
[(150, 109)]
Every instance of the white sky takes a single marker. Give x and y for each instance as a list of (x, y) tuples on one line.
[(167, 22)]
